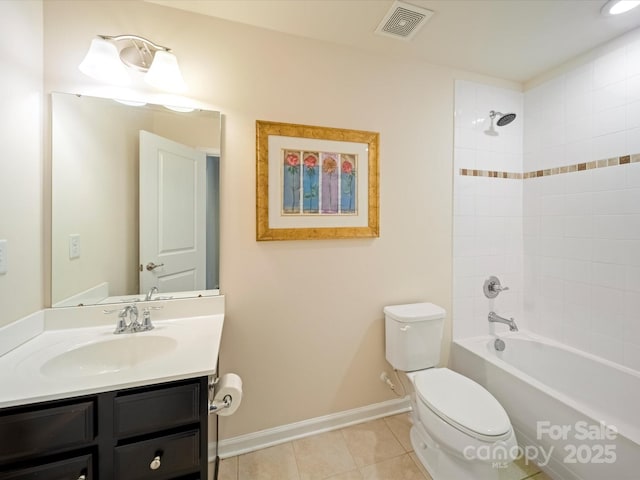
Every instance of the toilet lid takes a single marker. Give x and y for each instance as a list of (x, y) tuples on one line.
[(462, 402)]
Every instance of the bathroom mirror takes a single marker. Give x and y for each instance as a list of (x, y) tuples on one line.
[(134, 201)]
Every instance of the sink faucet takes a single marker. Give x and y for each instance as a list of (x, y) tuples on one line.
[(150, 293), (133, 325), (146, 318), (122, 326), (494, 317)]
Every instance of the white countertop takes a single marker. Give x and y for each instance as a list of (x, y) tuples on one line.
[(192, 347)]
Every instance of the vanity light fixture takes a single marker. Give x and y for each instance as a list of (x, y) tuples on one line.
[(130, 103), (616, 7), (179, 109), (109, 56)]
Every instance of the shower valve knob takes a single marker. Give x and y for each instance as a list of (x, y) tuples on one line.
[(492, 287)]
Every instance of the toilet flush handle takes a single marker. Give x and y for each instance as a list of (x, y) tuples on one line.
[(405, 328)]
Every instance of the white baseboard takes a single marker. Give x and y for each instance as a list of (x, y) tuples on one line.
[(250, 442), (89, 297)]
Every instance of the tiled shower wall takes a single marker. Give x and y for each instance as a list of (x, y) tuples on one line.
[(563, 228), (487, 210), (581, 218)]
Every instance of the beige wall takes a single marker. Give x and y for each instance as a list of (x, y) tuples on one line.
[(21, 288), (304, 325), (94, 195)]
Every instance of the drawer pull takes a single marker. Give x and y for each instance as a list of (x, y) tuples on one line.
[(155, 463)]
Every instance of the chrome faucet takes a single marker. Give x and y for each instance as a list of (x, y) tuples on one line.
[(150, 293), (146, 318), (130, 312), (495, 318), (123, 326)]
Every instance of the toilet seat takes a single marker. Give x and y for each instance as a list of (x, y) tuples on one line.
[(462, 403)]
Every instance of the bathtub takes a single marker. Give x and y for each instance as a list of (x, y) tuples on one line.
[(576, 415)]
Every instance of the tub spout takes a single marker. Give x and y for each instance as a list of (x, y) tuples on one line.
[(494, 317)]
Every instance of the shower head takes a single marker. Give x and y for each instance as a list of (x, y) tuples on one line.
[(503, 119)]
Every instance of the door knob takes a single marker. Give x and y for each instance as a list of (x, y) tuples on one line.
[(152, 266)]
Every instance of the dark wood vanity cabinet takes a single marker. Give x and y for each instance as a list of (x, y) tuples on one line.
[(153, 432)]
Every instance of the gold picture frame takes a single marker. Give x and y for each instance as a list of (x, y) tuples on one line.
[(316, 182)]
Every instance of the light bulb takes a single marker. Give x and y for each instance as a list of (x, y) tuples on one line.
[(616, 7), (164, 73), (102, 62)]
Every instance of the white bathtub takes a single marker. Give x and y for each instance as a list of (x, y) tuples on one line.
[(582, 410)]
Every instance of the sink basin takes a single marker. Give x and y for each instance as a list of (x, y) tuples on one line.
[(108, 356)]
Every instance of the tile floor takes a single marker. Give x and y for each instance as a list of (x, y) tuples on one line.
[(375, 450)]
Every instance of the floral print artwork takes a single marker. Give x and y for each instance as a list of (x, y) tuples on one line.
[(291, 182), (329, 183), (319, 183), (311, 182), (348, 190)]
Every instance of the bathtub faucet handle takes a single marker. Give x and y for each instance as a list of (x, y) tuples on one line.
[(492, 287)]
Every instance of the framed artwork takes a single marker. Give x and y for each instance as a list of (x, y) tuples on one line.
[(315, 182)]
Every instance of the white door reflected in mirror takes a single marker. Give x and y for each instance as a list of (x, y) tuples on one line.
[(172, 215)]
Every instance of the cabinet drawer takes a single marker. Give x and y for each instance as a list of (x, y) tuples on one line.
[(48, 430), (179, 454), (70, 469), (154, 410)]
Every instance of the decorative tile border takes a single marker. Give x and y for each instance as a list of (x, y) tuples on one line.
[(607, 162), (489, 173)]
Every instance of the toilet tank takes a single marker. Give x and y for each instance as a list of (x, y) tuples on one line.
[(413, 334)]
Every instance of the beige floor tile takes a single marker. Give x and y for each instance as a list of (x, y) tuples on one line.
[(273, 463), (518, 470), (371, 442), (375, 450), (398, 468), (540, 476), (422, 468), (353, 475), (228, 469), (322, 455), (400, 425)]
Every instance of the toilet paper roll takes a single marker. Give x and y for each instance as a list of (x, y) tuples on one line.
[(230, 385)]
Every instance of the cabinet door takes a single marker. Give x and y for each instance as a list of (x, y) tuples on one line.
[(159, 458), (52, 429), (77, 468), (156, 410)]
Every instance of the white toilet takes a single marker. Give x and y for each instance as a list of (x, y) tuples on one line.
[(460, 431)]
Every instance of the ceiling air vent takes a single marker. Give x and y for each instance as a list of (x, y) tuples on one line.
[(403, 21)]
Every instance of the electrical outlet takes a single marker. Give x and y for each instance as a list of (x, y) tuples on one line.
[(74, 246), (3, 257)]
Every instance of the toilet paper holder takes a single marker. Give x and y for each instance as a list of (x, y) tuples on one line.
[(216, 404)]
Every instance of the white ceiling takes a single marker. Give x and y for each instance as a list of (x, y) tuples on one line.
[(511, 39)]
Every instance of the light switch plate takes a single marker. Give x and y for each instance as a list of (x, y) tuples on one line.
[(3, 257), (74, 246)]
